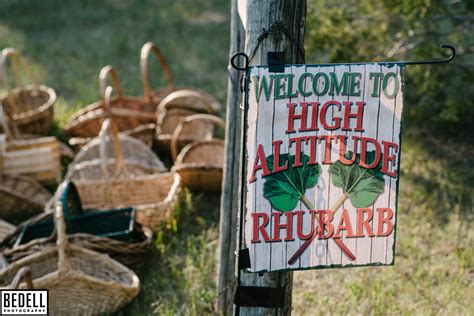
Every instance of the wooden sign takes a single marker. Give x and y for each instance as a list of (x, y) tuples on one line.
[(322, 168)]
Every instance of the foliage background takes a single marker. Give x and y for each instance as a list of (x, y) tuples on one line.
[(68, 42)]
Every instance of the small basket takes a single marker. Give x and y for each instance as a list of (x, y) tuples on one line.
[(38, 158), (153, 195), (117, 223), (128, 112), (173, 109), (199, 163), (30, 107), (80, 281), (20, 196)]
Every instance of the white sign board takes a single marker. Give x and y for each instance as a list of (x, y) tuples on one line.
[(322, 167)]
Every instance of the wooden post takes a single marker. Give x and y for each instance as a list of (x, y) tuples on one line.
[(255, 15), (230, 186)]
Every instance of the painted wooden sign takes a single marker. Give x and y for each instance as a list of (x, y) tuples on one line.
[(323, 153)]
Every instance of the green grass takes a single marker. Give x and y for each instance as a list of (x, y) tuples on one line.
[(68, 42)]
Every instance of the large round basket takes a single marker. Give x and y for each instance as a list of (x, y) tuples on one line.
[(199, 163), (80, 281), (129, 113), (137, 157), (20, 196), (29, 106)]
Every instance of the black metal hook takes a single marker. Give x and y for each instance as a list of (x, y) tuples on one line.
[(436, 61), (246, 62)]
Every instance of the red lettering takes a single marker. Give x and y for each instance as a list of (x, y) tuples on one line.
[(322, 115), (299, 224), (342, 139), (363, 153), (277, 225), (259, 227), (384, 220), (348, 115), (361, 222), (327, 147), (260, 156), (387, 157), (325, 228), (276, 157), (344, 224)]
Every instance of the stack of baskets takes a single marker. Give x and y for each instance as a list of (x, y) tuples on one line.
[(80, 243)]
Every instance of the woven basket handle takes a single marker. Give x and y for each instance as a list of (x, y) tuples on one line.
[(192, 118), (109, 127), (23, 274), (16, 61), (103, 76), (145, 52), (62, 243), (183, 94)]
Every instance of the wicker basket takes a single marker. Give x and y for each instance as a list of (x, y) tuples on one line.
[(155, 96), (129, 113), (19, 196), (142, 132), (129, 252), (38, 158), (30, 106), (199, 163), (5, 229), (152, 194), (171, 111), (80, 281), (136, 156), (24, 274)]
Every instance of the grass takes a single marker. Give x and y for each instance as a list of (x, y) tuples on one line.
[(68, 42)]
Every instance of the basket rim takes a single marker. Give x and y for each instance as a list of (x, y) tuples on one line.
[(83, 254), (44, 107), (192, 146), (95, 110), (30, 182)]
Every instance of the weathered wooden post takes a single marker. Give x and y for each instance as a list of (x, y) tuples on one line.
[(270, 26), (230, 186)]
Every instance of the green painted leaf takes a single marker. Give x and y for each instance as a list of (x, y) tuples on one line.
[(285, 188), (362, 185)]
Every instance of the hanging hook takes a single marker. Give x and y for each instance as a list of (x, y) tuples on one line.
[(438, 61), (246, 62)]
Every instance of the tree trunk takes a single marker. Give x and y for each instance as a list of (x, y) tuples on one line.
[(255, 16), (232, 164)]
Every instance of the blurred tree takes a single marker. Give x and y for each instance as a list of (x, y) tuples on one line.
[(439, 98)]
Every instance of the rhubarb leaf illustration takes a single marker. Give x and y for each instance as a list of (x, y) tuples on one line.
[(362, 185), (284, 189)]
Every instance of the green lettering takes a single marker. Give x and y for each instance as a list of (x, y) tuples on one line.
[(301, 82), (355, 83), (267, 87), (376, 76), (338, 86), (290, 87), (279, 86), (385, 84), (315, 84)]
